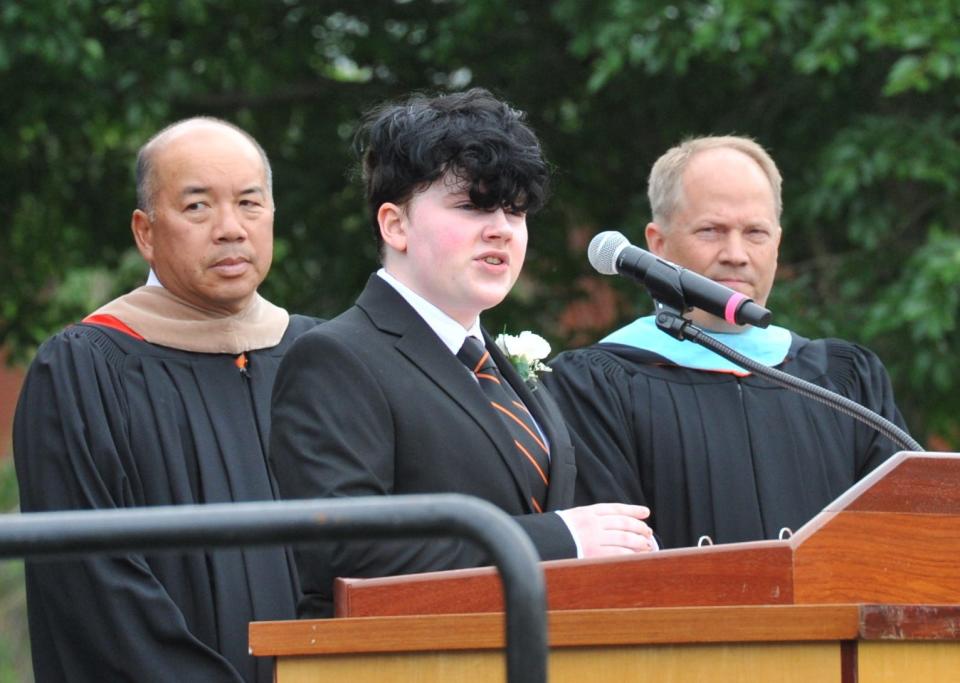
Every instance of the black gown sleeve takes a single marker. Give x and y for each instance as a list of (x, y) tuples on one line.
[(859, 375), (97, 618), (594, 395)]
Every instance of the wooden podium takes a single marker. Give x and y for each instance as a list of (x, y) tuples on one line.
[(867, 591)]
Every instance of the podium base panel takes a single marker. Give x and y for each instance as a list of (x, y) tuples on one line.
[(899, 661), (717, 663)]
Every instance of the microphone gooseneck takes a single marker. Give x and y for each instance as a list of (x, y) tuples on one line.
[(808, 389)]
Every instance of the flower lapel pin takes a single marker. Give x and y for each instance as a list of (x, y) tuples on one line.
[(525, 352)]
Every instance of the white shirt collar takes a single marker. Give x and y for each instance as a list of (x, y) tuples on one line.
[(153, 280), (451, 333)]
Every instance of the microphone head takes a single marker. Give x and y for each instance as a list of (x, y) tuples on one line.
[(604, 249)]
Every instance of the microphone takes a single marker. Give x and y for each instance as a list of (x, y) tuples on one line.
[(611, 253)]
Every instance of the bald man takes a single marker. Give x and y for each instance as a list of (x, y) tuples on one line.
[(162, 397)]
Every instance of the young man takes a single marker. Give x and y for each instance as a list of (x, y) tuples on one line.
[(161, 397), (386, 398), (710, 448)]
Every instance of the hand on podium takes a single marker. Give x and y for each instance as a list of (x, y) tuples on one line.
[(610, 529)]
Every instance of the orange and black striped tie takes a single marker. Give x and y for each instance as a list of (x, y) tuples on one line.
[(530, 445)]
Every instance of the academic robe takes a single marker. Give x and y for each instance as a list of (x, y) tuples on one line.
[(373, 403), (106, 420), (731, 457)]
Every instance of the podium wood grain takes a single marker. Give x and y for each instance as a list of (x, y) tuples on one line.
[(867, 592), (667, 645), (894, 537), (768, 643)]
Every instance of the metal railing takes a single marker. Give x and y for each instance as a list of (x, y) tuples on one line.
[(69, 533)]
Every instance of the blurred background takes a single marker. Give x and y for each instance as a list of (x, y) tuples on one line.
[(858, 102)]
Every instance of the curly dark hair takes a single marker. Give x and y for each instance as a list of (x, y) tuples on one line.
[(405, 146)]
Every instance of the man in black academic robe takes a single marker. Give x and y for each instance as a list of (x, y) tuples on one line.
[(383, 399), (712, 449), (162, 397)]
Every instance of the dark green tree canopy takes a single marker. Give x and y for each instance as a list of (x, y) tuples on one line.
[(857, 102)]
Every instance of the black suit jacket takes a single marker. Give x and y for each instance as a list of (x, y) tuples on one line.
[(373, 403)]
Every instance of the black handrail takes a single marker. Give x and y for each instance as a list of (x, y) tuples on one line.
[(58, 534)]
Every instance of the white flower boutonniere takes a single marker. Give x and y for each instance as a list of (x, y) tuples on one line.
[(525, 352)]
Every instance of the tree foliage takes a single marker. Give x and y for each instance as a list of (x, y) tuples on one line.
[(858, 102)]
